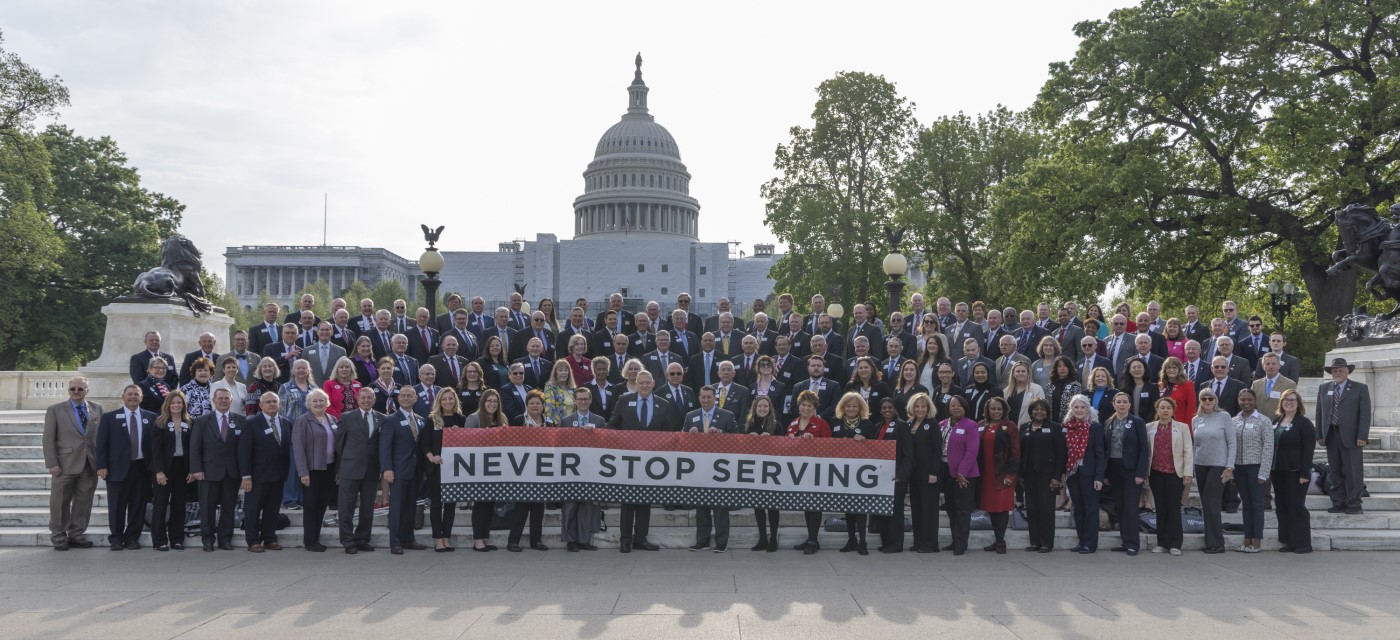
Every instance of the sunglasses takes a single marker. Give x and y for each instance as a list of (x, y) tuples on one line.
[(76, 389)]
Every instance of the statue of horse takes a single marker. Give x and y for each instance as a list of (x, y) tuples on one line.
[(177, 277), (1372, 244)]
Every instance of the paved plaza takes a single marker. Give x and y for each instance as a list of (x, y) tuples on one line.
[(678, 594)]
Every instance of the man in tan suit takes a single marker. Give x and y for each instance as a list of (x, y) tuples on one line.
[(1008, 359), (1271, 387), (70, 453)]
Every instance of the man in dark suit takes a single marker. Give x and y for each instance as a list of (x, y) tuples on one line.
[(811, 323), (683, 341), (799, 341), (247, 359), (577, 325), (268, 331), (214, 463), (623, 323), (1142, 345), (704, 365), (306, 329), (1007, 358), (1239, 367), (400, 322), (323, 354), (832, 367), (381, 338), (1226, 388), (468, 343), (518, 318), (536, 365), (500, 328), (1235, 326), (734, 397), (746, 363), (265, 457), (827, 390), (366, 322), (641, 411), (692, 320), (788, 365), (1069, 333), (659, 361), (405, 366), (1288, 363), (1194, 328), (618, 354), (1253, 344), (644, 340), (766, 335), (676, 391), (141, 361), (357, 471), (602, 336), (1159, 341), (1344, 426), (972, 354), (423, 341), (123, 451), (478, 319), (398, 453), (536, 331), (1089, 359), (860, 327), (205, 350), (341, 332), (1119, 345), (712, 321), (448, 365), (991, 337), (728, 341), (710, 419), (1042, 318), (308, 303), (513, 392), (961, 331), (285, 351), (835, 344), (1194, 366), (446, 321), (427, 391), (1028, 337)]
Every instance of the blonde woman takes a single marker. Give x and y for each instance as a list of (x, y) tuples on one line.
[(1021, 392), (559, 391), (446, 414)]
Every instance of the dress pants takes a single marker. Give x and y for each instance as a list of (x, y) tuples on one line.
[(126, 504), (891, 527), (534, 512), (1040, 509), (403, 506), (960, 503), (168, 527), (441, 515), (1208, 484), (356, 496), (315, 498), (1345, 476), (705, 518), (291, 489), (260, 509), (579, 519), (1291, 509), (1086, 508), (1251, 500), (220, 495), (636, 523), (1166, 495), (923, 510), (1126, 495), (70, 504), (482, 513), (855, 526)]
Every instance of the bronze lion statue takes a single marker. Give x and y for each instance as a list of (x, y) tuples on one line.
[(177, 277)]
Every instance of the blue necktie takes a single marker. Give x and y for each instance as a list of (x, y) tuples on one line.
[(642, 412), (82, 419)]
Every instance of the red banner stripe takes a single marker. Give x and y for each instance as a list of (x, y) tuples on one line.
[(668, 441)]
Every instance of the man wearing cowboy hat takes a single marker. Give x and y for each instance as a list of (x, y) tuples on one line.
[(1344, 425)]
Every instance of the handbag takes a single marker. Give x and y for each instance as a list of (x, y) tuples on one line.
[(1018, 520)]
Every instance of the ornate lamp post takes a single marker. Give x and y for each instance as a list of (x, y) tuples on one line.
[(1282, 298), (431, 263), (896, 265)]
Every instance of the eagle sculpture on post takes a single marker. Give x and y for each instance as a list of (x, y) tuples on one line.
[(431, 235)]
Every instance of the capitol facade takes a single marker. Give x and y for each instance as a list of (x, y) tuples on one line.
[(636, 231)]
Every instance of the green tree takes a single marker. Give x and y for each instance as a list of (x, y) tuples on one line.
[(835, 188), (354, 294), (321, 290), (1196, 137), (944, 191), (385, 292)]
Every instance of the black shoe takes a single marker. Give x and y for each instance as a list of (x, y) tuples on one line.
[(948, 548), (571, 547), (891, 549), (132, 545), (850, 546), (350, 550), (958, 552), (772, 545), (538, 546), (1337, 510), (925, 549), (587, 546), (1302, 550), (645, 546), (228, 546), (363, 546), (625, 547), (1046, 549), (161, 547), (1132, 552), (720, 549), (208, 546), (177, 546), (80, 544), (1355, 511), (1033, 548), (1119, 549), (514, 548), (61, 545), (117, 546), (699, 547), (801, 546), (1086, 551), (810, 548), (762, 544), (1076, 549), (860, 549), (1285, 549), (1212, 550), (316, 548), (481, 549)]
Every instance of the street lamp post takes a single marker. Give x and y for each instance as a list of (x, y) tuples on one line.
[(896, 265), (1281, 299), (431, 263)]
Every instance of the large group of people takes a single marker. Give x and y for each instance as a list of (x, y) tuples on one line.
[(996, 410)]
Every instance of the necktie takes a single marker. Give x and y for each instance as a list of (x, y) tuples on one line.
[(82, 418), (1191, 371), (1336, 420), (748, 363), (384, 338), (708, 359), (505, 341), (431, 396), (726, 343), (223, 427), (1021, 342), (368, 423), (403, 366), (452, 364), (1268, 387), (642, 412), (277, 431), (1087, 372), (620, 361), (707, 420), (131, 432), (720, 399), (325, 353), (535, 365), (427, 344), (665, 361), (1219, 388)]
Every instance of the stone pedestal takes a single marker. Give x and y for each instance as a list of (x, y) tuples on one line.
[(127, 324), (1378, 366)]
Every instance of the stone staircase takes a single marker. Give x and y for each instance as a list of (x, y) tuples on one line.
[(24, 496)]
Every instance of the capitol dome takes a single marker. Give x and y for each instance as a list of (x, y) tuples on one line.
[(636, 182)]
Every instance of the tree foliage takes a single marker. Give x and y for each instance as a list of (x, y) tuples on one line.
[(385, 292), (835, 188)]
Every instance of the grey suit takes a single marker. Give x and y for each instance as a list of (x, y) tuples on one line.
[(957, 335), (357, 468), (711, 517), (73, 449), (579, 518), (398, 452), (1353, 423), (312, 354), (217, 459), (1069, 337)]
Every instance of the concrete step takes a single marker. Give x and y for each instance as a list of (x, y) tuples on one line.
[(35, 426), (28, 466), (740, 539), (32, 452), (38, 498), (22, 439)]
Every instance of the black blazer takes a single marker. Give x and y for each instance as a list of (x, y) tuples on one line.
[(151, 397), (695, 373), (1043, 449), (141, 361), (629, 325), (258, 336), (531, 380), (903, 448), (1294, 450), (878, 391), (927, 447), (260, 456), (662, 418), (278, 351), (1136, 452), (163, 448), (1095, 460), (417, 349), (901, 399), (512, 404), (189, 361), (520, 341), (216, 459), (114, 442), (1105, 404)]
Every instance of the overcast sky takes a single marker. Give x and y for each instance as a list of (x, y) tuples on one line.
[(483, 116)]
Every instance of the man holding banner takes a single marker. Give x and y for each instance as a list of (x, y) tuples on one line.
[(710, 419), (641, 411)]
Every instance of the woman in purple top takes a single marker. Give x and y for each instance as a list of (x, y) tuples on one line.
[(960, 445)]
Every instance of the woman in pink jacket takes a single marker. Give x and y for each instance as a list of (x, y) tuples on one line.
[(961, 443)]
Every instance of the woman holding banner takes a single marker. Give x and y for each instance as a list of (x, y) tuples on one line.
[(853, 421), (488, 414), (534, 416), (763, 421), (809, 425)]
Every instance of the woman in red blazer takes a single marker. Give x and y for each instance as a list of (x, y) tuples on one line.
[(960, 471), (809, 425), (1174, 384), (342, 388)]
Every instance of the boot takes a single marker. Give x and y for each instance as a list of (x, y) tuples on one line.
[(762, 542), (850, 544)]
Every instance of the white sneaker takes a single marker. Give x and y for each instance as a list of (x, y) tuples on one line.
[(1250, 549), (1175, 552), (1159, 549), (1242, 549)]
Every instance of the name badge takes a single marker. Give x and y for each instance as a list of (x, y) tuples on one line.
[(145, 421), (1045, 429), (632, 404), (1279, 394), (945, 398), (1144, 394), (926, 426), (967, 335), (267, 431), (1249, 427), (695, 419), (959, 431), (1329, 392)]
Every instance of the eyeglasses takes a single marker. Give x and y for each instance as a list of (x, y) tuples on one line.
[(1207, 399), (928, 320), (536, 320), (684, 301), (674, 374), (517, 373), (76, 389)]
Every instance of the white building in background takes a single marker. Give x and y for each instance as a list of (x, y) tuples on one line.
[(636, 231)]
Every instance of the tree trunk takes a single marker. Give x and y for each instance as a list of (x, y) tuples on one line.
[(1332, 296)]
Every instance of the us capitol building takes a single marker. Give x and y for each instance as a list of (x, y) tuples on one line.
[(636, 230)]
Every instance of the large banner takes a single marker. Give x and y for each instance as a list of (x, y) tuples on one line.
[(520, 464)]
